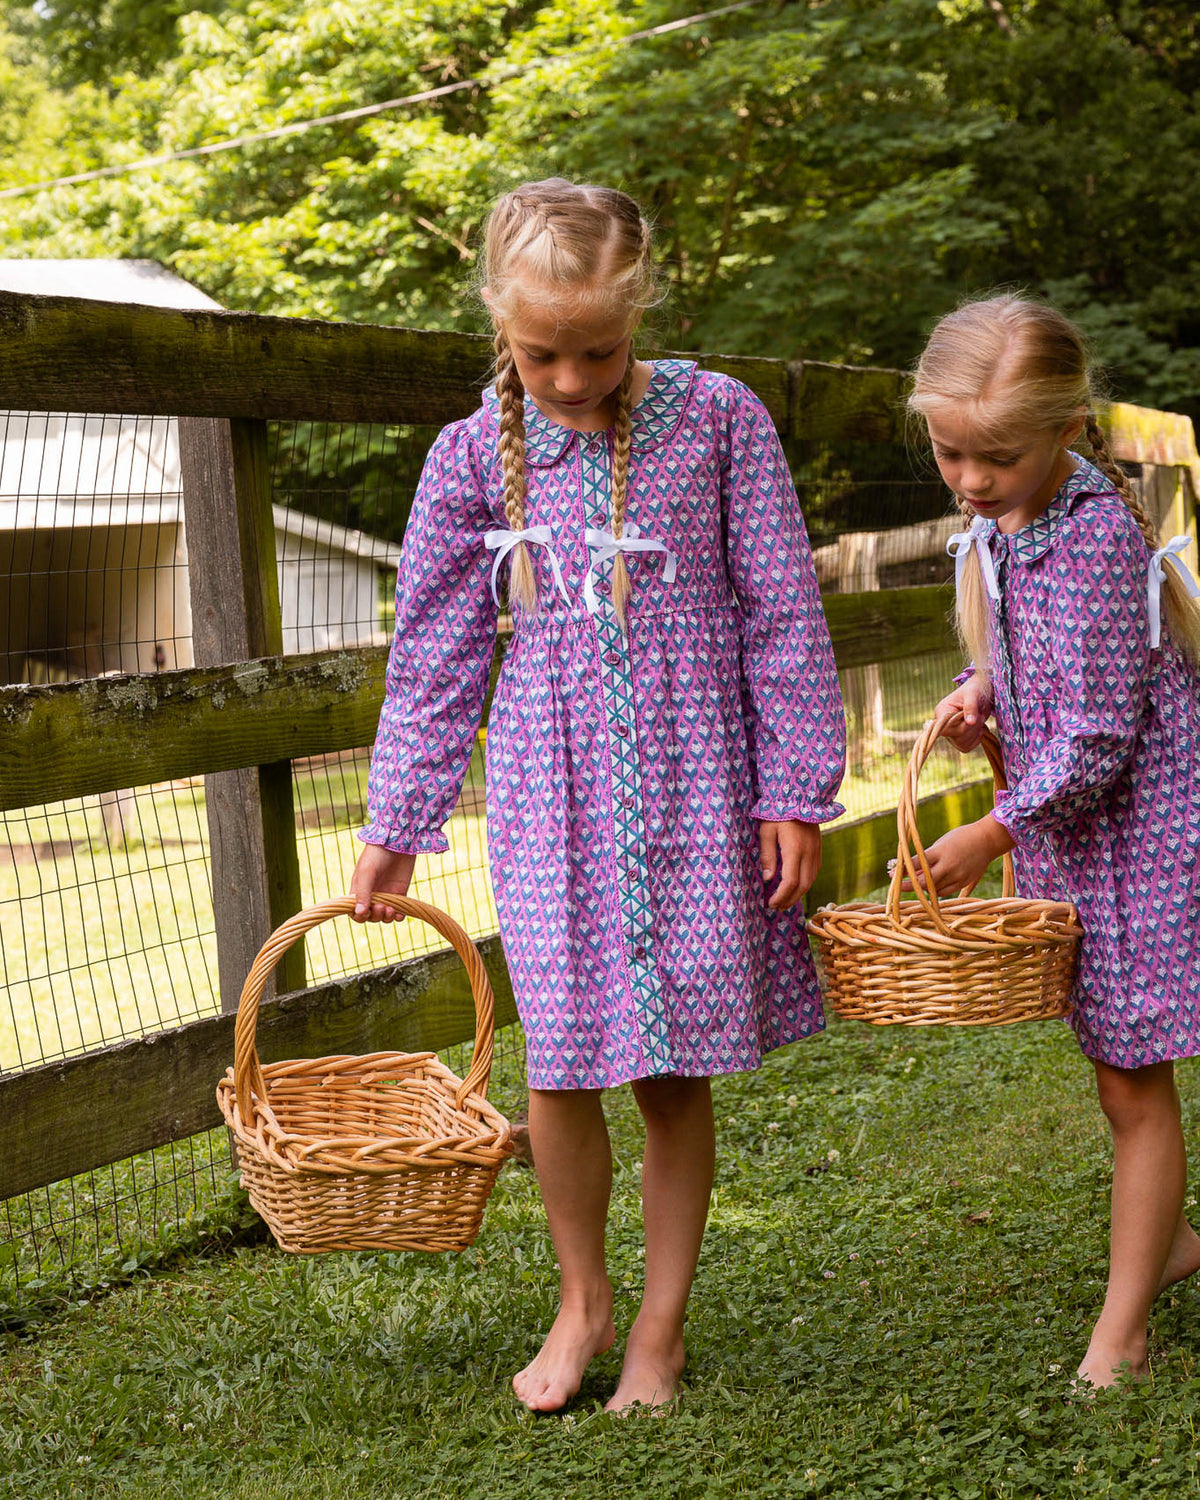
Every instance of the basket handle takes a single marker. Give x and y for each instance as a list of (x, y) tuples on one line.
[(906, 823), (247, 1071)]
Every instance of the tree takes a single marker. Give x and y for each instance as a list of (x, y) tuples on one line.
[(826, 176)]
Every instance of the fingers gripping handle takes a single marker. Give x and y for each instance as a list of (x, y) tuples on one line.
[(247, 1071), (911, 863)]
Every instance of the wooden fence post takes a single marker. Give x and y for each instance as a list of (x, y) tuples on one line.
[(234, 586), (862, 686)]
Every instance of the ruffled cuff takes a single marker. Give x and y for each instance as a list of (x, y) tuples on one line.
[(777, 809), (405, 841), (1028, 830)]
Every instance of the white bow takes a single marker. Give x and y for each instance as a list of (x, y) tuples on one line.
[(602, 545), (1158, 576), (502, 542), (959, 547)]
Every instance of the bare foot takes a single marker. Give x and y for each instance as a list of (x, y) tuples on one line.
[(1103, 1366), (1184, 1257), (555, 1373), (650, 1375)]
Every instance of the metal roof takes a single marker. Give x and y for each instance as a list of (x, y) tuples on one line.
[(143, 281)]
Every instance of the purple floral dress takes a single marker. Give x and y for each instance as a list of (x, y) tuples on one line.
[(626, 775), (1101, 740)]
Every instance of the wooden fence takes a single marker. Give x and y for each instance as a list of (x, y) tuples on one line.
[(244, 712)]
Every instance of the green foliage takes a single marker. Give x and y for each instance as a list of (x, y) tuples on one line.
[(826, 176), (906, 1248), (97, 41)]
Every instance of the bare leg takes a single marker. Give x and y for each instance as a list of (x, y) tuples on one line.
[(573, 1161), (1184, 1258), (1149, 1178), (677, 1176)]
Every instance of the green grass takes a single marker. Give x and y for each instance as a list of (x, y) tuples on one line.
[(906, 1246), (101, 943)]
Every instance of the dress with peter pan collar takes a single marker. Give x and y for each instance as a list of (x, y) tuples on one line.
[(1101, 738), (626, 774)]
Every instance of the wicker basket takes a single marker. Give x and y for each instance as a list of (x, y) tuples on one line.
[(386, 1152), (958, 962)]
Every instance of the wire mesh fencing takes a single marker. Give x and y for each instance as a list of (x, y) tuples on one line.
[(106, 917)]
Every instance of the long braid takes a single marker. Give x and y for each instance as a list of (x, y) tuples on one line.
[(620, 486), (522, 583), (1117, 476), (1181, 614)]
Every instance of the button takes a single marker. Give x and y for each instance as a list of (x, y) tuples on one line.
[(622, 730), (613, 658), (628, 802), (639, 954), (602, 585)]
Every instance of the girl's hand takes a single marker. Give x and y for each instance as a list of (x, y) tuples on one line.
[(961, 856), (794, 849), (972, 702), (379, 869)]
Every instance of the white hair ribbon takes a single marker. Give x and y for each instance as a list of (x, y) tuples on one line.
[(602, 545), (502, 543), (1158, 576), (959, 547)]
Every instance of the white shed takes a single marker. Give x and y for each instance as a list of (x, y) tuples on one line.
[(92, 539)]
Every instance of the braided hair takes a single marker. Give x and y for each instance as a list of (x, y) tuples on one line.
[(561, 245)]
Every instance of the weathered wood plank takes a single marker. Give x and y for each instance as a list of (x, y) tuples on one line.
[(72, 1116), (854, 856), (226, 478), (74, 354), (890, 625), (846, 403), (78, 738), (71, 354)]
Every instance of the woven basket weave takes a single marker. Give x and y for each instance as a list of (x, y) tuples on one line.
[(390, 1151), (958, 962)]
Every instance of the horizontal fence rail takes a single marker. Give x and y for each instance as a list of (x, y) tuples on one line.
[(105, 1106), (98, 735), (67, 354)]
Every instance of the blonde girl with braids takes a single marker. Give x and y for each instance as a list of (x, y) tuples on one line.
[(1084, 634), (665, 738)]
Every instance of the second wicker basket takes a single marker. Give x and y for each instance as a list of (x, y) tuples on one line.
[(964, 961)]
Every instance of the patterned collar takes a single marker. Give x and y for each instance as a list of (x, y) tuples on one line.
[(655, 417), (1033, 541)]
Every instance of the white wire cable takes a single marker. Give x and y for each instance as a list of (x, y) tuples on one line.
[(297, 127)]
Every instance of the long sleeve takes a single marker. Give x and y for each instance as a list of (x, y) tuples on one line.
[(440, 655), (796, 722), (1100, 635)]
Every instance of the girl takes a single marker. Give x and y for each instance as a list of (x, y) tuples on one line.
[(666, 736), (1061, 582)]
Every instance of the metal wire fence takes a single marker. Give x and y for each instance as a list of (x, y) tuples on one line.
[(106, 919)]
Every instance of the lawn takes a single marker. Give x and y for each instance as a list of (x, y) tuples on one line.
[(906, 1245), (101, 943)]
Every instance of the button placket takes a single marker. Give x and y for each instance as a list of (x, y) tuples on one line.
[(632, 870)]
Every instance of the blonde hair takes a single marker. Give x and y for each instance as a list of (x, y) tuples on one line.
[(562, 246), (1008, 364)]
